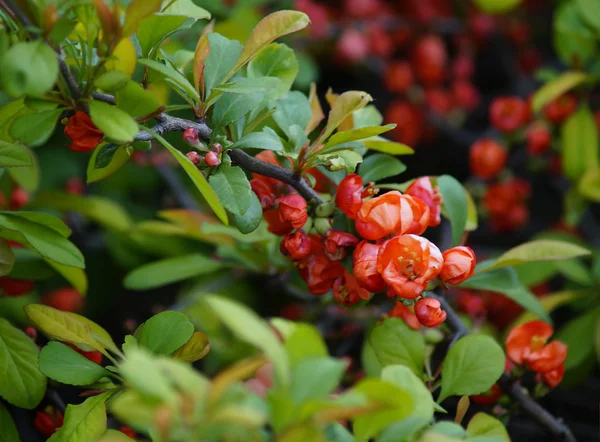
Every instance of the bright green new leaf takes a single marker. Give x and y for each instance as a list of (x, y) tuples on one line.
[(185, 8), (557, 87), (135, 100), (315, 378), (471, 366), (65, 365), (98, 333), (249, 86), (197, 178), (408, 381), (251, 219), (251, 328), (29, 68), (173, 75), (233, 107), (115, 123), (344, 106), (137, 11), (396, 343), (194, 349), (220, 60), (153, 30), (14, 155), (165, 332), (232, 188), (35, 129), (21, 382), (276, 60), (389, 147), (170, 270), (114, 436), (303, 343), (359, 133), (105, 161), (579, 140), (455, 205), (589, 10), (380, 166), (84, 422), (9, 431), (112, 81), (483, 424), (265, 140), (76, 277)]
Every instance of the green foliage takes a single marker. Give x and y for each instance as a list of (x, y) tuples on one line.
[(84, 422), (165, 332), (9, 430), (396, 343), (63, 364), (455, 205), (580, 148)]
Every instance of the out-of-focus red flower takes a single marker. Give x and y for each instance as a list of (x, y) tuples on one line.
[(466, 96), (318, 17), (538, 138), (363, 8), (337, 242), (127, 432), (352, 46), (463, 67), (501, 311), (530, 59), (507, 114), (296, 245), (65, 299), (482, 26), (15, 287), (75, 186), (398, 76), (430, 60), (429, 312), (80, 129), (292, 209), (439, 100), (409, 120), (406, 314), (488, 398), (319, 272), (349, 195), (94, 356), (422, 189), (505, 202), (346, 290), (274, 223), (470, 303), (527, 345), (380, 42), (365, 267), (487, 158), (293, 312), (407, 263), (459, 265), (48, 421), (19, 198), (560, 109)]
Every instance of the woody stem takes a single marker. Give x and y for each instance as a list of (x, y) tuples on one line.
[(559, 430)]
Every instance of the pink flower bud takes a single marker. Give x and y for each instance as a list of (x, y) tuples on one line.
[(216, 148), (194, 157), (190, 136), (212, 159)]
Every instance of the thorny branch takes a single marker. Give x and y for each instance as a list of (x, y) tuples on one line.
[(559, 430)]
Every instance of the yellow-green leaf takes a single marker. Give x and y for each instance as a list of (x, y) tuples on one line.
[(359, 133), (193, 350), (76, 277), (119, 158), (389, 147), (115, 123), (342, 108), (138, 10), (485, 425), (555, 88)]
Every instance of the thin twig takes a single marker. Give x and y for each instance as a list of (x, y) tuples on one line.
[(559, 430)]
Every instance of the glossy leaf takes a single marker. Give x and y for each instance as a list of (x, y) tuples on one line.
[(123, 58), (21, 382), (153, 30), (197, 178), (112, 81), (14, 155), (84, 422), (194, 349), (165, 332), (136, 101), (105, 161), (265, 140), (7, 258), (292, 109), (233, 107), (395, 343), (9, 431), (315, 379), (27, 177), (455, 205), (389, 147), (115, 123), (577, 335), (473, 364), (251, 219), (483, 424), (408, 381), (76, 277), (304, 342), (360, 133), (249, 86), (380, 166), (222, 56), (539, 250), (65, 365), (276, 60), (173, 75), (170, 270), (557, 87), (579, 140), (232, 188), (343, 107), (35, 129)]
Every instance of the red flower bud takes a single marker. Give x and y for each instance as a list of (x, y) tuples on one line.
[(429, 313), (216, 148), (538, 139), (292, 209), (365, 267), (422, 189), (275, 225), (560, 109), (94, 356), (296, 245), (128, 432), (346, 290), (15, 287), (459, 265), (194, 157), (264, 191), (398, 76), (430, 60), (403, 312), (190, 136), (18, 198), (507, 114), (337, 242), (75, 186), (80, 129), (212, 159), (66, 299), (487, 158), (31, 332), (48, 421), (349, 195)]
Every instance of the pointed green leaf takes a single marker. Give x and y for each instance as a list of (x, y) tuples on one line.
[(14, 155), (455, 205), (65, 365), (165, 332), (35, 129), (380, 166), (344, 106), (265, 140), (557, 87), (276, 60), (251, 219), (389, 147), (233, 189), (396, 343), (115, 123), (580, 145), (175, 76), (9, 431), (233, 107), (220, 60), (106, 160), (84, 422)]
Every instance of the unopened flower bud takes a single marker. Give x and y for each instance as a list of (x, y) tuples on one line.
[(429, 313), (212, 159), (216, 148), (325, 210), (190, 136), (322, 225), (194, 157)]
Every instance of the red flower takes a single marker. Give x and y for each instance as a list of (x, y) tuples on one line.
[(526, 344), (429, 313), (352, 46), (422, 189), (94, 356), (275, 225), (75, 186), (264, 191), (337, 243), (365, 267), (470, 303), (538, 139), (550, 357), (553, 377), (15, 287), (349, 195), (19, 198), (439, 100), (465, 95), (488, 398), (409, 120), (84, 135), (430, 60), (560, 109), (459, 265), (127, 431), (406, 314), (398, 76), (346, 290), (407, 263), (507, 114), (319, 273), (487, 158), (48, 421), (292, 209), (66, 299), (296, 245)]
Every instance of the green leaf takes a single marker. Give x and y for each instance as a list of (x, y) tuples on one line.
[(380, 166), (48, 242), (344, 106), (153, 30), (7, 258), (9, 431), (65, 365), (579, 140), (165, 332), (573, 40), (221, 59), (276, 60), (186, 8), (233, 107), (115, 436), (576, 334), (112, 81), (232, 188), (251, 328), (273, 26), (250, 220), (389, 147), (589, 10), (504, 280), (483, 424), (35, 129), (84, 422), (265, 140), (345, 158), (496, 6), (194, 349), (359, 133), (135, 100), (13, 155), (404, 378), (115, 123), (557, 87), (28, 68), (455, 205), (21, 383), (197, 178), (170, 270), (106, 160), (292, 109), (404, 431), (137, 11), (396, 343), (76, 277), (589, 185), (27, 177), (173, 75), (249, 86), (473, 364), (303, 343), (315, 379), (539, 250)]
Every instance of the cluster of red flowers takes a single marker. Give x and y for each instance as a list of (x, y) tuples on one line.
[(386, 251)]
